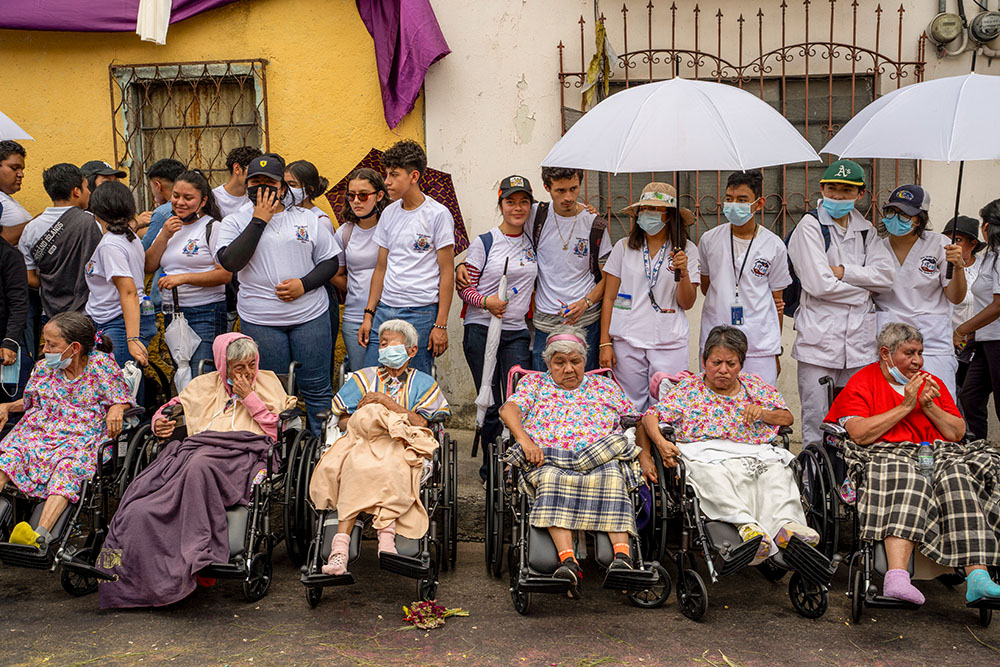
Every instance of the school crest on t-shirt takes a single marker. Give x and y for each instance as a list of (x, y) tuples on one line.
[(302, 233), (422, 243), (581, 247), (191, 248), (529, 255), (928, 265), (90, 268), (761, 267)]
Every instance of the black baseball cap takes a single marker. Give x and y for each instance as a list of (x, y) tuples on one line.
[(269, 165), (512, 184), (101, 168), (910, 199), (965, 226)]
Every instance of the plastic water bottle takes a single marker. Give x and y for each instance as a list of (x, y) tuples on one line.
[(145, 306), (925, 461), (166, 303)]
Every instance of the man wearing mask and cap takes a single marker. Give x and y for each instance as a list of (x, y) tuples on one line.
[(966, 233), (839, 262), (99, 171)]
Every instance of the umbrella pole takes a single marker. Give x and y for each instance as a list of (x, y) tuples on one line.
[(678, 246), (958, 197)]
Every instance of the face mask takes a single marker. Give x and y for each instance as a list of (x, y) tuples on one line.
[(254, 189), (189, 218), (294, 197), (55, 361), (650, 222), (896, 226), (838, 208), (737, 213), (897, 375), (229, 381), (393, 356)]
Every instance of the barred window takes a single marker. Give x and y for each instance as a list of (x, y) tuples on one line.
[(192, 112)]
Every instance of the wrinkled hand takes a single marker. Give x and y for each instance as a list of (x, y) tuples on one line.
[(138, 352), (752, 413), (953, 255), (242, 385), (574, 312), (912, 390), (668, 452), (266, 205), (607, 357), (171, 226), (4, 413), (838, 272), (648, 467), (163, 428), (114, 419), (461, 277), (7, 357), (930, 391), (495, 305), (167, 283), (289, 290), (438, 342), (533, 453)]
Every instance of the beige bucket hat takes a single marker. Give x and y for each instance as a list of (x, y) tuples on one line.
[(659, 195)]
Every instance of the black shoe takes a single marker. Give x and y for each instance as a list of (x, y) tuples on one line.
[(621, 562), (570, 570)]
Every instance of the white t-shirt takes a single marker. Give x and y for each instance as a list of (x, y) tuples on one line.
[(228, 203), (917, 295), (361, 254), (412, 277), (522, 268), (564, 275), (291, 246), (191, 251), (964, 311), (765, 271), (633, 318), (13, 213), (114, 257), (987, 284)]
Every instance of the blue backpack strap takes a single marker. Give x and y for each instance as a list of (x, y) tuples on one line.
[(487, 240)]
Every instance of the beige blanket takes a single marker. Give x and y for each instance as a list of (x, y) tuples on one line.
[(375, 468)]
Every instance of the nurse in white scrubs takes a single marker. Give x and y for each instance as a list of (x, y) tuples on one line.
[(921, 293), (644, 326)]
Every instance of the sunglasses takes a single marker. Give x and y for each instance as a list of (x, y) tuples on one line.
[(360, 196)]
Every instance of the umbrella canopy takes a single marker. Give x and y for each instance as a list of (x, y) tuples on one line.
[(434, 183), (11, 130), (182, 341), (950, 119), (680, 125)]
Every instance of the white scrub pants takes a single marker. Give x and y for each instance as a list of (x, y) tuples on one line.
[(945, 367), (635, 367), (766, 368), (815, 403)]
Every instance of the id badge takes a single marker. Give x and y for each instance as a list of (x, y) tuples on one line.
[(623, 301), (736, 312), (11, 374)]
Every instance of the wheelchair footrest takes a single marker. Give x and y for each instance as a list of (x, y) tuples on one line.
[(543, 584), (809, 561), (985, 602), (85, 568), (223, 571), (23, 555), (630, 580), (736, 558), (883, 602), (324, 580), (408, 566)]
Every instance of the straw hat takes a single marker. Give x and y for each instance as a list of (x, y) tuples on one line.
[(659, 195)]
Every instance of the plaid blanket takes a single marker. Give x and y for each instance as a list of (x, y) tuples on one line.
[(583, 489), (955, 519)]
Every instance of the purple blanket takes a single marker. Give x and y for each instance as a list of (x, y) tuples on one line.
[(171, 522), (119, 16)]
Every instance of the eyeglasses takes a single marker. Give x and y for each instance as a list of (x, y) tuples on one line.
[(360, 196)]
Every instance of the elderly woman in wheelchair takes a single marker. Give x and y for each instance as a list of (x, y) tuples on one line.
[(576, 464), (172, 522), (946, 505)]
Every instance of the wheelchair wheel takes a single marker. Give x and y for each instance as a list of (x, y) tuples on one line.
[(136, 457), (258, 580), (427, 588), (76, 583), (296, 516), (692, 595), (313, 595), (771, 571), (495, 513), (654, 597), (810, 600), (821, 497), (453, 502), (521, 599), (306, 514), (857, 593), (985, 617)]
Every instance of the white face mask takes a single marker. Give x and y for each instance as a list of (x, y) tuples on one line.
[(294, 197)]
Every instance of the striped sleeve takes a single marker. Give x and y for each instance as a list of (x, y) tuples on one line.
[(347, 398), (426, 397), (470, 294)]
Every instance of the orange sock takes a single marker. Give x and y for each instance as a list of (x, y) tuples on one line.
[(623, 549), (565, 555)]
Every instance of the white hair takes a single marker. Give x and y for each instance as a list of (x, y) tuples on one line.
[(565, 346), (401, 327), (239, 349), (895, 334)]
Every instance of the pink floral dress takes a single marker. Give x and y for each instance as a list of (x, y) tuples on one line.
[(570, 418), (53, 448), (698, 413)]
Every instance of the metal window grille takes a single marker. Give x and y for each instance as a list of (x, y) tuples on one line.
[(817, 82), (194, 112)]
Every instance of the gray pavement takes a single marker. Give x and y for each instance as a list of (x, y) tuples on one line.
[(750, 621)]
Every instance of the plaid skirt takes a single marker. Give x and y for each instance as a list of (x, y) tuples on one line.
[(955, 519), (585, 489)]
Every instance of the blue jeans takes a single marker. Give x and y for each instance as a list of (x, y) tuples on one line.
[(593, 345), (309, 344), (421, 317), (513, 350), (115, 330), (355, 350), (208, 321)]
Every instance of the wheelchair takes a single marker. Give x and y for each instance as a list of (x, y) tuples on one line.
[(867, 559), (421, 559), (79, 532), (253, 529), (531, 554), (724, 551)]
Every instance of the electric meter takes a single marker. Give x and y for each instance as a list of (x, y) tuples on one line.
[(985, 27), (945, 28)]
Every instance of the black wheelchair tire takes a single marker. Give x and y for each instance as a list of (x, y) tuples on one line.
[(655, 597), (692, 595), (75, 583), (857, 592), (823, 513), (427, 588), (258, 581), (771, 571), (313, 595), (809, 600), (520, 599)]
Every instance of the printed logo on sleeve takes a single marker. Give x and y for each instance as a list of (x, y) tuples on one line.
[(581, 248), (761, 267), (928, 265), (422, 243), (302, 233), (90, 268)]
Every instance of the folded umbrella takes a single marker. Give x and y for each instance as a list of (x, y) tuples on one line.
[(182, 341), (485, 398)]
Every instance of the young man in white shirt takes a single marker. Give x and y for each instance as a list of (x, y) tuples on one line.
[(231, 196), (413, 278), (839, 262), (744, 271), (13, 216)]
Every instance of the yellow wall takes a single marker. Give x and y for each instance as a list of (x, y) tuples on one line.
[(324, 103)]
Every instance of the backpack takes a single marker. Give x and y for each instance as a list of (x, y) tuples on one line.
[(597, 229), (793, 293)]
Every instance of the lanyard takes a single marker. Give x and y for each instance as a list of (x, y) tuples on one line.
[(652, 276), (732, 249)]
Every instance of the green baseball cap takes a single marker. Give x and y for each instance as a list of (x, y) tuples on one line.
[(844, 171)]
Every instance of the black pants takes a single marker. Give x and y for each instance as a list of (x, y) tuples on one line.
[(513, 350), (981, 380)]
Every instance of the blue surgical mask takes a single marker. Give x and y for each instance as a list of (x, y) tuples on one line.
[(897, 226), (650, 222), (55, 361), (393, 356), (896, 374), (737, 213), (229, 381), (838, 208)]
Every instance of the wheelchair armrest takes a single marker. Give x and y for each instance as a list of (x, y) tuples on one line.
[(835, 430), (174, 411), (785, 431), (323, 416), (628, 421), (667, 431), (291, 413), (438, 418), (137, 411)]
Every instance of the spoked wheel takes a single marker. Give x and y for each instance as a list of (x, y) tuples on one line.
[(292, 501), (444, 500), (857, 593), (809, 599), (76, 583), (771, 571), (453, 502), (820, 494), (258, 580), (136, 457), (655, 595), (489, 543), (521, 599), (692, 595), (495, 512), (313, 595)]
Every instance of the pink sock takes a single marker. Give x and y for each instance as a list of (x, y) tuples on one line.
[(897, 585), (387, 539), (339, 554)]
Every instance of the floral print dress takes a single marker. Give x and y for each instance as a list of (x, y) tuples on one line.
[(52, 450)]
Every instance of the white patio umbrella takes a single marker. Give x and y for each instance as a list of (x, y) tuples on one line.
[(11, 130), (182, 341), (680, 125), (485, 398)]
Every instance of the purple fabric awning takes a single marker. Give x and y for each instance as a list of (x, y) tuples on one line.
[(408, 41), (90, 15)]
